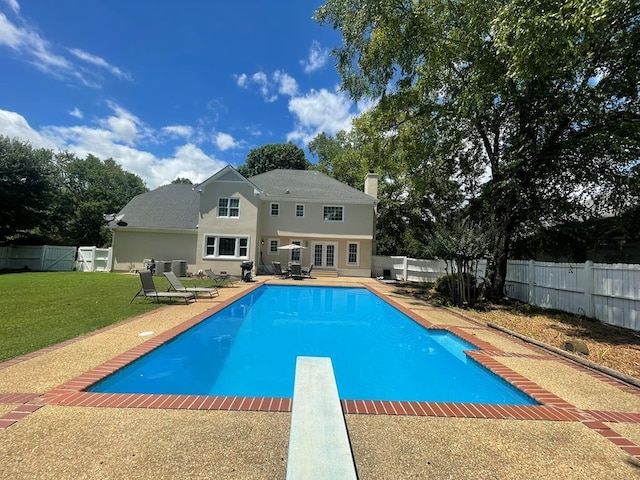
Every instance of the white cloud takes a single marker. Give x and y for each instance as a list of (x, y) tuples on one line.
[(118, 136), (13, 4), (32, 48), (224, 141), (270, 86), (183, 131), (317, 59), (76, 112), (320, 111), (99, 62), (286, 84)]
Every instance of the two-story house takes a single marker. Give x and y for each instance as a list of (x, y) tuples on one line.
[(229, 219)]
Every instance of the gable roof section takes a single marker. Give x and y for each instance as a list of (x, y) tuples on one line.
[(309, 185), (226, 174), (170, 207)]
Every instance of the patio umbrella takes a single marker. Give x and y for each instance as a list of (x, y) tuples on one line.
[(290, 246)]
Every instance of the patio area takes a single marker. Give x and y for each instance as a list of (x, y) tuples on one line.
[(588, 426)]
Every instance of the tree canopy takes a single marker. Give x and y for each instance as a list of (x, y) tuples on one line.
[(273, 156), (59, 198), (530, 109)]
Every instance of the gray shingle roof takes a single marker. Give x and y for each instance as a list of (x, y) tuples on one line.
[(307, 185), (172, 206)]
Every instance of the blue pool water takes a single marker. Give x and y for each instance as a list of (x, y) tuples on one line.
[(250, 347)]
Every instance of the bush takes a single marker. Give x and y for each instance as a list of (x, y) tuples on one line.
[(459, 289)]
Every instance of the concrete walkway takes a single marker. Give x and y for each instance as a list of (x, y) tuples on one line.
[(595, 434)]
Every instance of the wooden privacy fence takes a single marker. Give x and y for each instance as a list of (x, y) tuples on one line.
[(607, 292), (44, 258)]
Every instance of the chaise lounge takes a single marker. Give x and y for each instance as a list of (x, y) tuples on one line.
[(177, 286), (148, 290)]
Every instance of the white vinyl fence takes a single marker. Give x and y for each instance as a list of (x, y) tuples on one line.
[(93, 259), (44, 258), (609, 293)]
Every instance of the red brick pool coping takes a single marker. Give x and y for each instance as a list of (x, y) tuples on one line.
[(551, 408)]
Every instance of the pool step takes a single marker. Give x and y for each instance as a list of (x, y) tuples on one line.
[(319, 446)]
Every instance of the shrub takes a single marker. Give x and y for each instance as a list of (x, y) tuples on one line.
[(459, 288)]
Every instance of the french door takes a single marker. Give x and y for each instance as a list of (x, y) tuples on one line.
[(324, 254)]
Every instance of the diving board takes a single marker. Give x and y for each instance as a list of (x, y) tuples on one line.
[(318, 442)]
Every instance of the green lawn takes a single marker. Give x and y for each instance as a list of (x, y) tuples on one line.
[(38, 309)]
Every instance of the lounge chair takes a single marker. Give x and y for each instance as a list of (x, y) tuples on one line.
[(177, 286), (149, 290), (307, 273), (277, 270), (295, 271), (218, 280)]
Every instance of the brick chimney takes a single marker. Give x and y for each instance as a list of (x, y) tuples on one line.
[(371, 184)]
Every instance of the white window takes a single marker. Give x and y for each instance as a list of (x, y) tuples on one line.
[(353, 253), (223, 246), (229, 207), (274, 243), (333, 213), (275, 209), (299, 210)]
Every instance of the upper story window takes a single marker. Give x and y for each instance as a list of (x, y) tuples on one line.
[(299, 210), (275, 209), (333, 213), (229, 207), (224, 246)]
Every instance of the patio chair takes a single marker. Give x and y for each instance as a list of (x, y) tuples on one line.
[(218, 280), (177, 286), (295, 271), (307, 273), (277, 270), (148, 290)]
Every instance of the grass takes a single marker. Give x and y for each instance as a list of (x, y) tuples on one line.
[(39, 309), (613, 347)]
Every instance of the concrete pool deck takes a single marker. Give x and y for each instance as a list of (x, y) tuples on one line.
[(587, 427)]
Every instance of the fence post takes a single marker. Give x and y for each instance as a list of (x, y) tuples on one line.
[(588, 288), (405, 269), (532, 277)]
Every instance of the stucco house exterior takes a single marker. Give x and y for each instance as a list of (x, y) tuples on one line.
[(229, 219)]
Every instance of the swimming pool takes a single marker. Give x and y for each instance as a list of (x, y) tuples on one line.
[(250, 347)]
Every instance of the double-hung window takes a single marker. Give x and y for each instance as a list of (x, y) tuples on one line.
[(353, 253), (299, 210), (225, 246), (275, 209), (229, 207), (273, 246), (333, 213)]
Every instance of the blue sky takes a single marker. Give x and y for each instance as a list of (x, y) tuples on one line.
[(168, 88)]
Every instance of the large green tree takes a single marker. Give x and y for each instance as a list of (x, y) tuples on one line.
[(531, 107), (26, 188), (273, 156), (89, 188)]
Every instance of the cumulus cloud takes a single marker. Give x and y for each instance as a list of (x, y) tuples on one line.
[(76, 112), (320, 111), (317, 58), (269, 86), (224, 141), (25, 40), (121, 136)]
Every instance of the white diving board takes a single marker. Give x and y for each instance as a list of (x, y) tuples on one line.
[(318, 442)]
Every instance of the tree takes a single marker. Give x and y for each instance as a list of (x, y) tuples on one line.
[(26, 188), (89, 188), (531, 107), (273, 156), (183, 180)]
